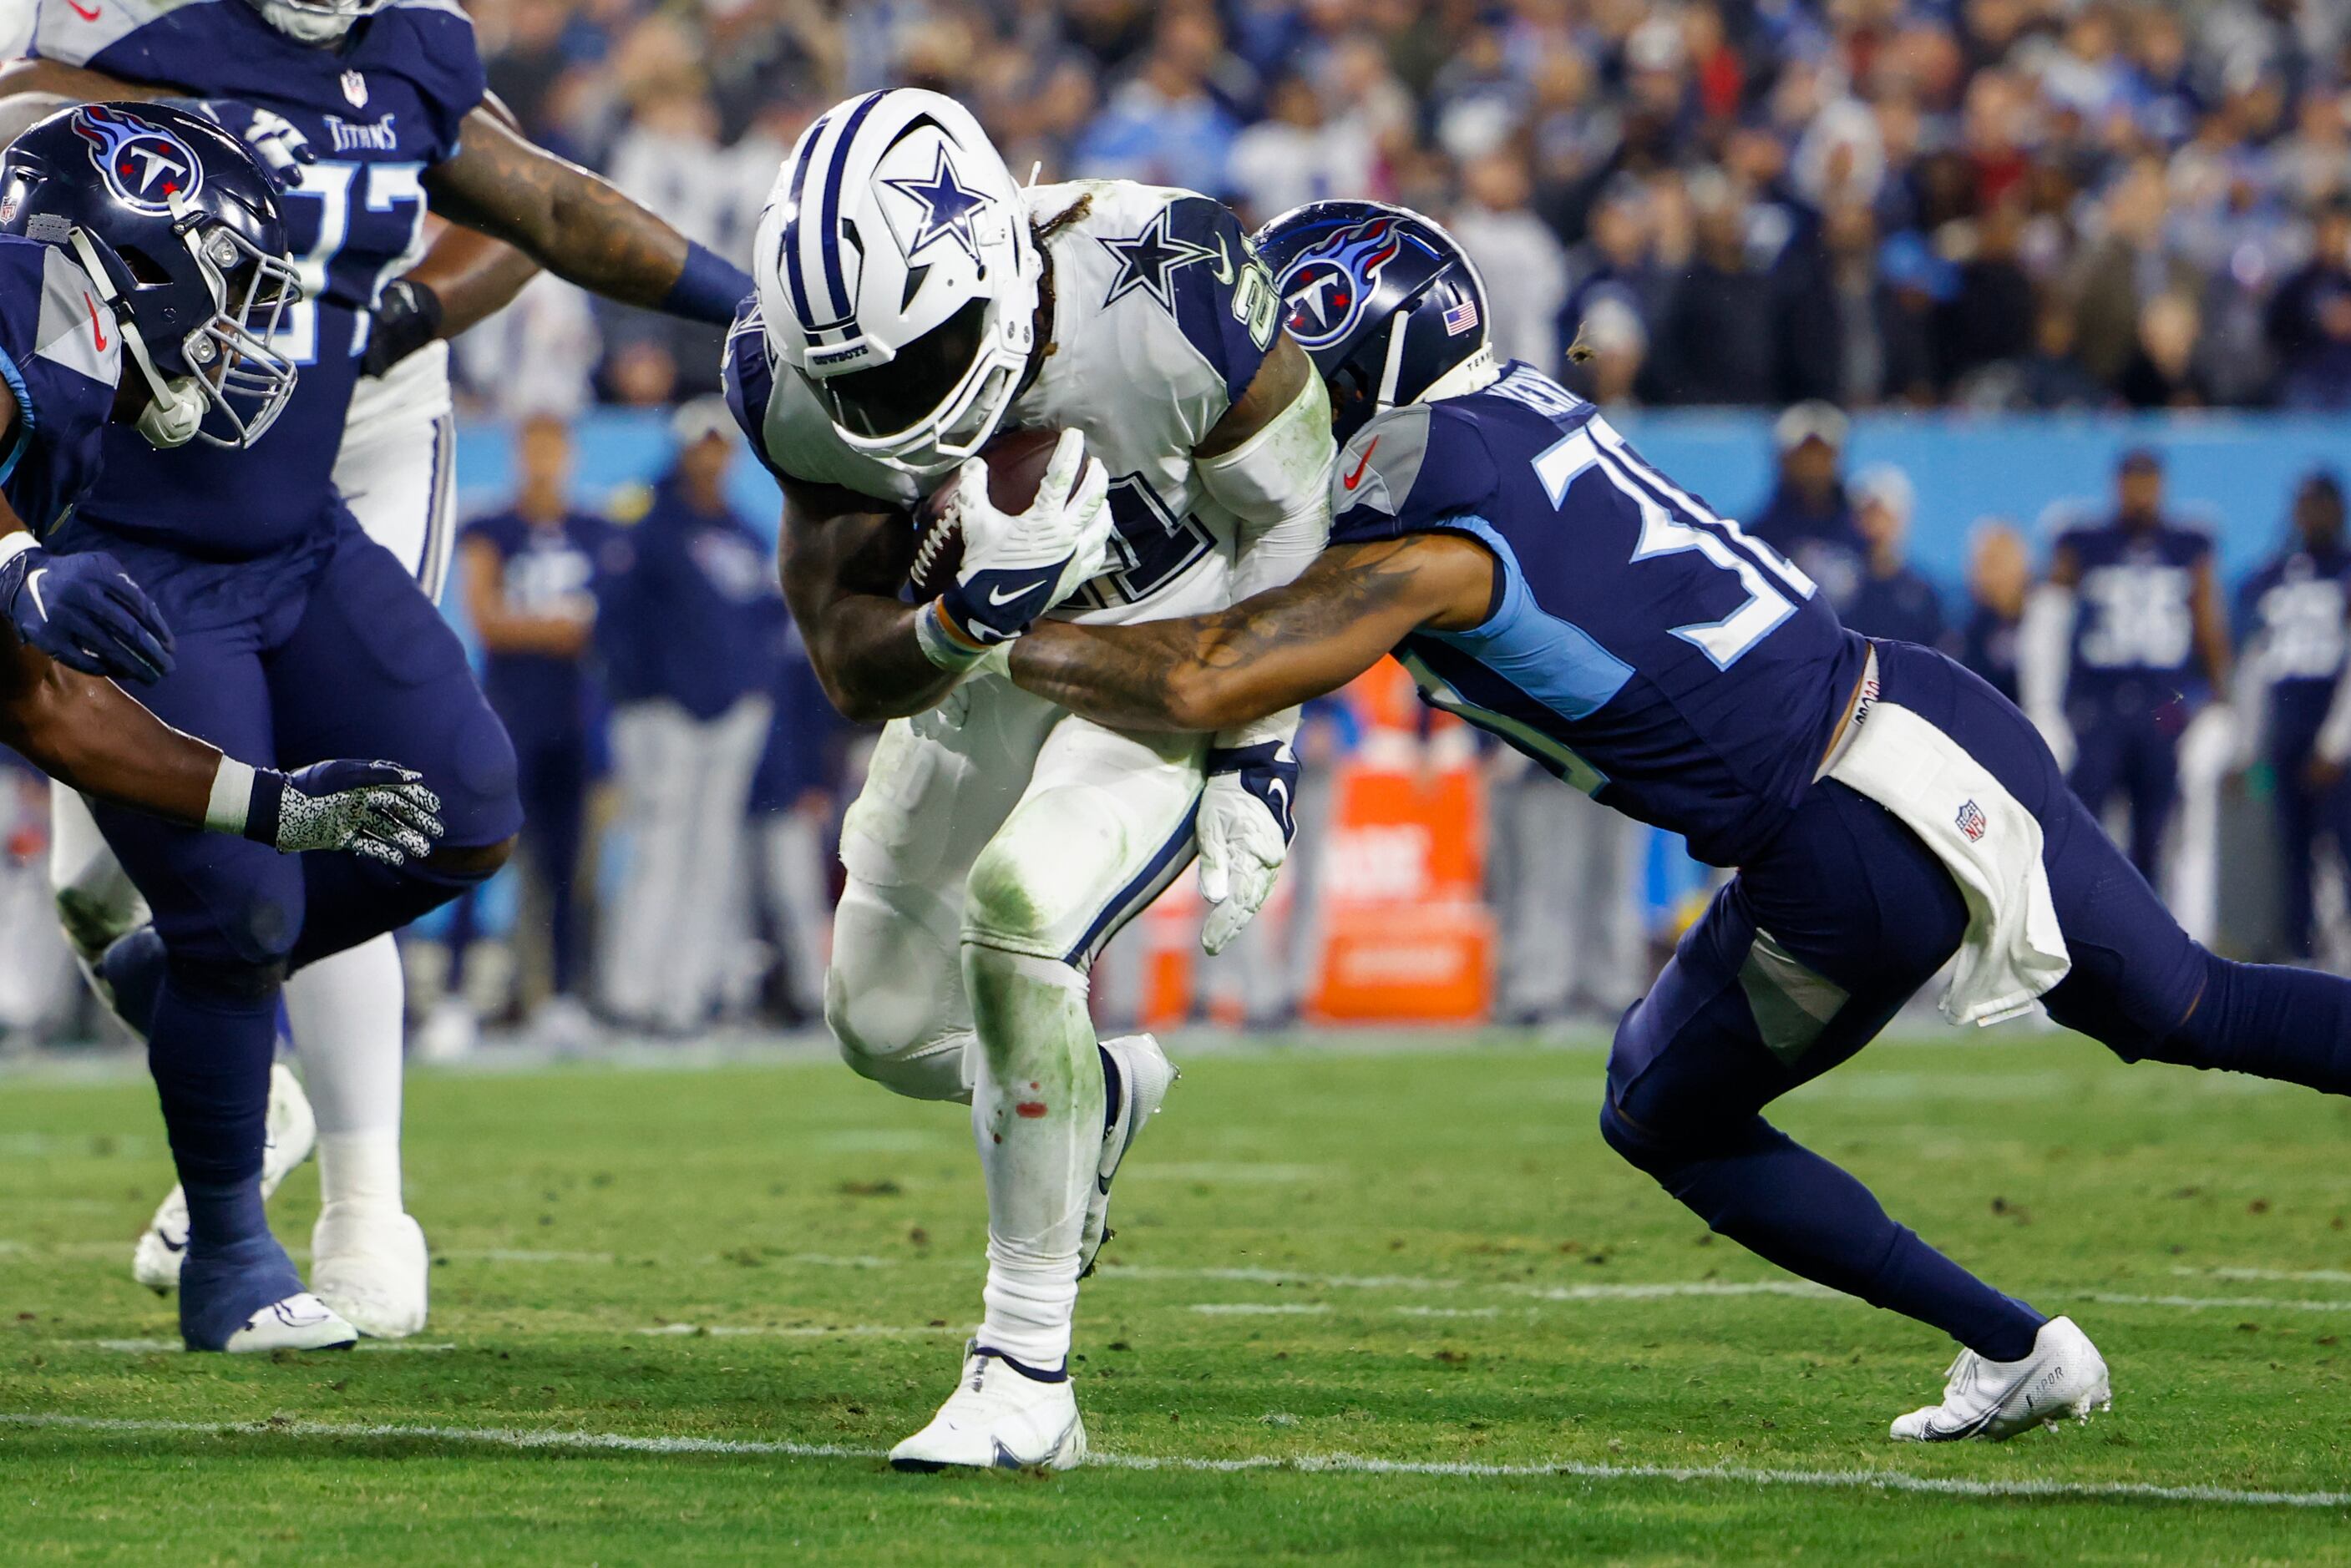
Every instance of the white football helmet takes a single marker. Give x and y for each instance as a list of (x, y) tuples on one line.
[(899, 278)]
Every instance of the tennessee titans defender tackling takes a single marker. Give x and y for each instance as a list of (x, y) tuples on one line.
[(143, 234), (295, 634), (1885, 810)]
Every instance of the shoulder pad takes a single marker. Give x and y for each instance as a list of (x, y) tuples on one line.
[(431, 43), (1406, 470), (76, 35), (747, 376), (1189, 256), (74, 330)]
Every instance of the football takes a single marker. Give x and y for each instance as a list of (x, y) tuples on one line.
[(1017, 461)]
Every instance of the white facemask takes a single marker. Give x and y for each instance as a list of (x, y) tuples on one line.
[(304, 25)]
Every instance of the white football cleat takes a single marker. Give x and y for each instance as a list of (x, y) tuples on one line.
[(1145, 1071), (1995, 1400), (372, 1269), (289, 1134), (301, 1321), (999, 1418)]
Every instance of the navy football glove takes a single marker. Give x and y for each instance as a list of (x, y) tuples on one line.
[(407, 316), (85, 612)]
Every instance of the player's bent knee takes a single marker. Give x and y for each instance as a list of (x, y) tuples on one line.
[(93, 922), (888, 1035), (1004, 906), (470, 862), (223, 981)]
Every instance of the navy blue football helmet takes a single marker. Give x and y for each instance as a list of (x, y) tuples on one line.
[(1387, 305), (180, 230)]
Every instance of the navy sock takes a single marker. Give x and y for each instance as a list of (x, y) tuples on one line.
[(222, 1214), (210, 1049), (1114, 1090), (2291, 1025), (1779, 1200)]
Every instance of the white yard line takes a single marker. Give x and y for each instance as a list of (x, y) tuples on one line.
[(2294, 1276), (1309, 1464), (2200, 1303), (790, 1331), (173, 1346), (1259, 1309)]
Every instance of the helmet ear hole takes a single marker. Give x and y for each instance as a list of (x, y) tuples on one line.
[(144, 269)]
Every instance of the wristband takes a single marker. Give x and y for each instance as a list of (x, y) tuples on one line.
[(232, 798), (18, 543), (943, 642), (709, 289)]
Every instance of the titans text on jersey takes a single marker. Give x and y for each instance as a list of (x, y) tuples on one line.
[(378, 111)]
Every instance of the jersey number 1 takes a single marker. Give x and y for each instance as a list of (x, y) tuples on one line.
[(1719, 539)]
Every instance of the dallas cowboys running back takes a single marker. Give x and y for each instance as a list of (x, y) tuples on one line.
[(1886, 810), (913, 301), (306, 632)]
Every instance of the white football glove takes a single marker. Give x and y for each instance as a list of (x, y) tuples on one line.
[(1245, 821), (1015, 566)]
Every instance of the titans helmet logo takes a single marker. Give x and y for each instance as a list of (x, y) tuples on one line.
[(148, 168), (1325, 288)]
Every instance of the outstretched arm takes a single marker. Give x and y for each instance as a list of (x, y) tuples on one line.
[(578, 225), (88, 733), (1267, 653)]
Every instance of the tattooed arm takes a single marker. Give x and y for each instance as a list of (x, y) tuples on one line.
[(1267, 653), (842, 559), (568, 221)]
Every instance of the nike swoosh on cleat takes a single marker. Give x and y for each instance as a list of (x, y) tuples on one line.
[(170, 1245)]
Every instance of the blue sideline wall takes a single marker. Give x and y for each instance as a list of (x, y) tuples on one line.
[(2234, 473)]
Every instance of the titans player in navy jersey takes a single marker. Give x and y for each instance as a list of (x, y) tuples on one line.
[(2149, 647), (295, 633), (2293, 614), (1885, 809)]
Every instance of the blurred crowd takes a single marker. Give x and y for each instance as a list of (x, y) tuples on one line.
[(2016, 204)]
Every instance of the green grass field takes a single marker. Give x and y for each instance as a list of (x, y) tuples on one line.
[(1325, 1258)]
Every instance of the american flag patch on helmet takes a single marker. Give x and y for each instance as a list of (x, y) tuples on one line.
[(1461, 318)]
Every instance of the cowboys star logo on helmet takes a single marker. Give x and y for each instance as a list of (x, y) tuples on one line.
[(149, 168), (948, 208), (916, 343), (1326, 288)]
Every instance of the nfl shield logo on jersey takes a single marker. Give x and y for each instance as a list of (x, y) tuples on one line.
[(355, 88), (1972, 821)]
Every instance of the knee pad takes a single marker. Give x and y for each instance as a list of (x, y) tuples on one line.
[(1003, 908), (889, 1035)]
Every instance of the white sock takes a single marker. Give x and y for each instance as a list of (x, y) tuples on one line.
[(346, 1014), (1037, 1114), (359, 1171)]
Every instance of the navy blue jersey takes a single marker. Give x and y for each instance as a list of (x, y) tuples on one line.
[(1900, 606), (693, 619), (378, 110), (546, 570), (1641, 648), (1988, 648), (2135, 620), (61, 355), (2295, 607)]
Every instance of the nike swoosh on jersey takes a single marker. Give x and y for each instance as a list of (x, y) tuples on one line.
[(1356, 478), (90, 304), (86, 13), (1224, 267)]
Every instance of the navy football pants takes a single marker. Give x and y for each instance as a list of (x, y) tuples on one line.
[(1812, 948), (2137, 753), (347, 660)]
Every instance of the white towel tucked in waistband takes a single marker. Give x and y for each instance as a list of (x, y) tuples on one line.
[(2013, 951)]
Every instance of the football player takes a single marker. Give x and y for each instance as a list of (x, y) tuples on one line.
[(2149, 647), (1884, 810), (91, 275), (345, 1013), (913, 302), (308, 633)]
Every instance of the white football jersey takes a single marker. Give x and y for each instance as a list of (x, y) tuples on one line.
[(1160, 316)]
